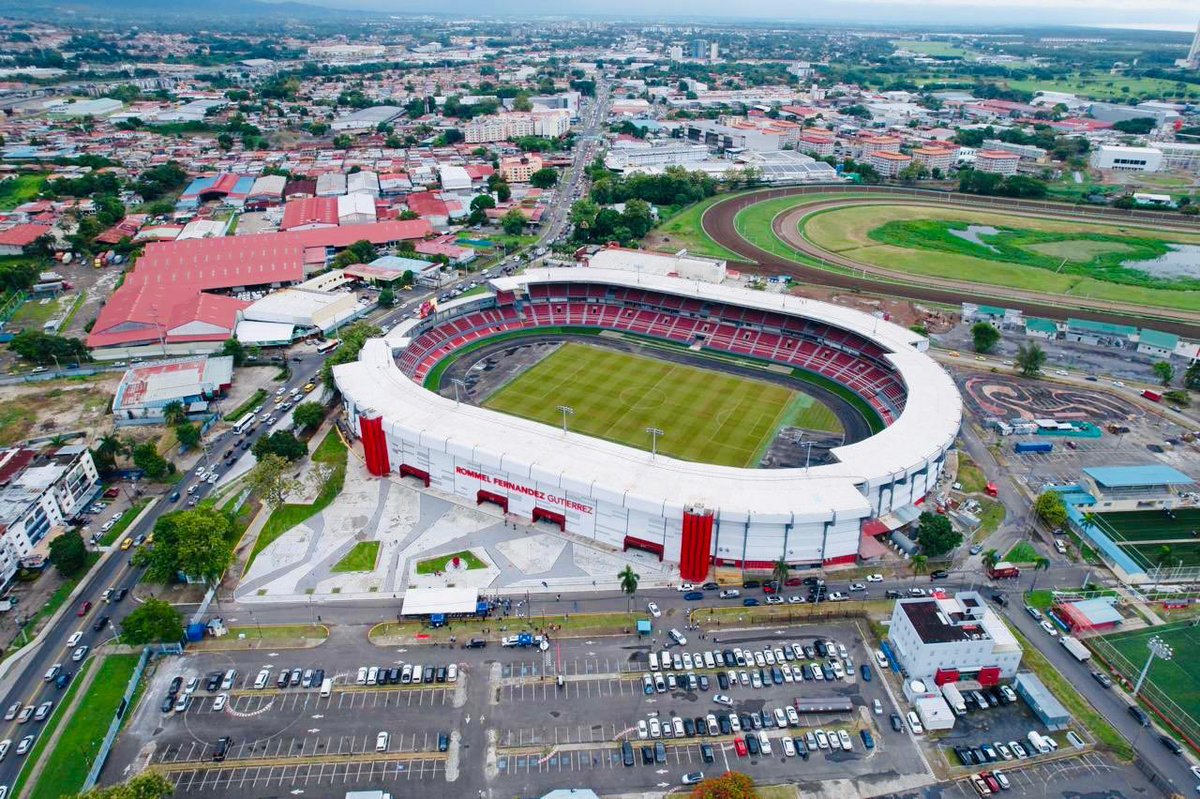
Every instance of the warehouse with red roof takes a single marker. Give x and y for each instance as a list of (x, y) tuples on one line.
[(178, 297)]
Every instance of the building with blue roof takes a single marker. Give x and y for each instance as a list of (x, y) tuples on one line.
[(1143, 487)]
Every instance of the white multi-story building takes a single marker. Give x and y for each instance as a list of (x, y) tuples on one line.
[(503, 127), (1127, 159), (947, 640), (38, 494), (656, 157), (997, 162)]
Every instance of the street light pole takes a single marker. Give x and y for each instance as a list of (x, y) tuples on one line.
[(1158, 647), (457, 383), (565, 410), (654, 434)]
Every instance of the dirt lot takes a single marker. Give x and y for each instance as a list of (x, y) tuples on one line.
[(56, 407), (903, 312)]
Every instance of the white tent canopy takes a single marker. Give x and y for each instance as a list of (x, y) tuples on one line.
[(424, 601)]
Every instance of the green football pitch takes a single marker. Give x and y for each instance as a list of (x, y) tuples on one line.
[(705, 416), (1151, 525), (1178, 678)]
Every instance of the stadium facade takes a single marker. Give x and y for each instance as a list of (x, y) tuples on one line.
[(696, 514)]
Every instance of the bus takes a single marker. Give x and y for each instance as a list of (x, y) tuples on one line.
[(244, 424), (328, 346)]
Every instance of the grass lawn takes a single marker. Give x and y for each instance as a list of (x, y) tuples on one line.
[(1023, 552), (808, 413), (683, 231), (250, 404), (990, 515), (934, 49), (1184, 554), (707, 416), (118, 529), (970, 476), (36, 311), (852, 233), (361, 558), (67, 766), (332, 451), (1102, 86), (1062, 689), (280, 631), (1178, 678), (20, 190), (439, 564)]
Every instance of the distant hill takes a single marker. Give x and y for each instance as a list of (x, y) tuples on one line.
[(214, 11)]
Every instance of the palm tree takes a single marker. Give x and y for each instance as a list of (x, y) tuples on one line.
[(173, 413), (920, 564), (990, 559), (629, 583), (1040, 564), (779, 571), (109, 448)]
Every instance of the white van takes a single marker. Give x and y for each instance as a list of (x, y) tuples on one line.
[(227, 680), (326, 687), (653, 661)]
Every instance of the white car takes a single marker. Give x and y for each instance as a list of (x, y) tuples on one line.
[(878, 707), (654, 611), (686, 587), (452, 673), (643, 729), (792, 716), (789, 748), (795, 600), (655, 729), (1049, 628), (219, 702), (722, 699), (857, 587), (838, 596), (874, 578), (774, 599), (79, 654), (74, 639)]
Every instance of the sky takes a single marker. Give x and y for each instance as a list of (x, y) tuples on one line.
[(1167, 14)]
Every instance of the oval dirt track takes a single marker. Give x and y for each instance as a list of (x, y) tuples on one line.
[(718, 223)]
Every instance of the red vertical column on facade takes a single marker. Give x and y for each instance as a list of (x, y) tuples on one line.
[(370, 427), (696, 544)]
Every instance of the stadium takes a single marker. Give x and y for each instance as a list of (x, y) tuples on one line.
[(702, 423)]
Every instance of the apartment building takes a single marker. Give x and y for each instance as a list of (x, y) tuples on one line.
[(932, 158), (519, 168), (997, 162), (504, 127), (887, 163)]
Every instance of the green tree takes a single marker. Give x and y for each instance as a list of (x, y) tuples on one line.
[(1164, 371), (990, 559), (146, 458), (730, 785), (628, 579), (387, 297), (353, 338), (309, 414), (147, 785), (522, 102), (44, 348), (108, 449), (1030, 359), (513, 222), (544, 178), (194, 542), (188, 435), (1051, 509), (236, 349), (637, 218), (936, 535), (271, 480), (281, 443), (153, 621), (68, 553), (502, 191), (342, 141), (1191, 378), (780, 570), (984, 337), (174, 413)]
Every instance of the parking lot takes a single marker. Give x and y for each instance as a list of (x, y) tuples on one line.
[(405, 777), (1090, 774)]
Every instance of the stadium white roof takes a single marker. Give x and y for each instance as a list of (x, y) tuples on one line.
[(927, 426)]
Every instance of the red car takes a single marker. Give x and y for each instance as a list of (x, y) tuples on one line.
[(991, 782), (769, 588), (83, 609), (739, 746), (793, 581), (112, 492)]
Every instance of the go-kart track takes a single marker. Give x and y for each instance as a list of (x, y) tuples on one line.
[(720, 224)]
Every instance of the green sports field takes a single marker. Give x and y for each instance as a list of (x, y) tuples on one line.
[(1154, 539), (706, 416), (1178, 678)]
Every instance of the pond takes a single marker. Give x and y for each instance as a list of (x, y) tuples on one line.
[(973, 232), (1182, 260)]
